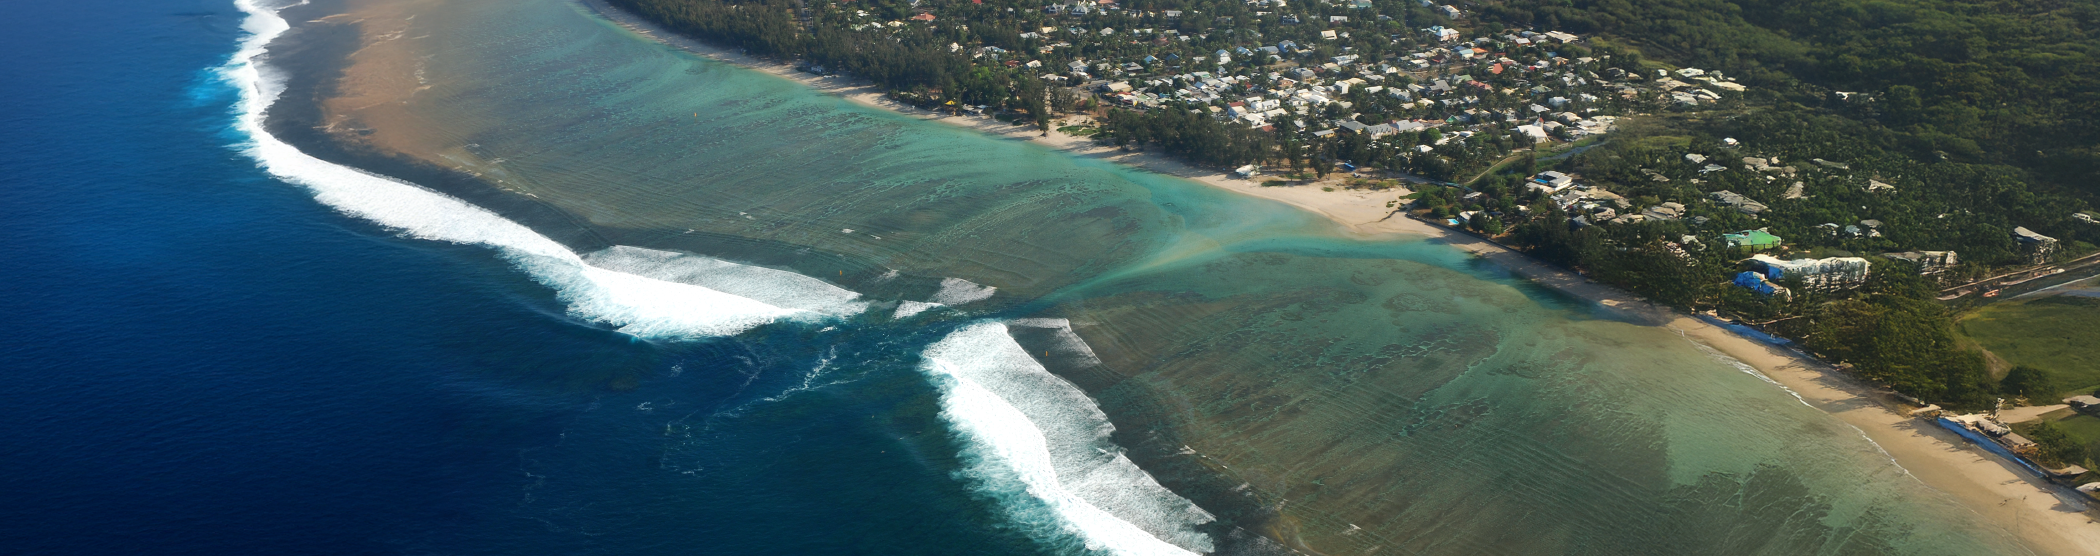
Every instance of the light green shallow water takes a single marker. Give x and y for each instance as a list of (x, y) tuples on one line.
[(1390, 397)]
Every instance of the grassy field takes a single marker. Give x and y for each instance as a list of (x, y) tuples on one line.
[(2057, 334), (2086, 430)]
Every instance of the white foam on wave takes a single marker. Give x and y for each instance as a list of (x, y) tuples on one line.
[(1067, 340), (636, 304), (907, 308), (957, 291), (1042, 446), (779, 288)]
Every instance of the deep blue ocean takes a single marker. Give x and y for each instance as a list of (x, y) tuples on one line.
[(200, 359)]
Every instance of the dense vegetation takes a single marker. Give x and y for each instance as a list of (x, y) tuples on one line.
[(2055, 446), (915, 59), (2012, 82)]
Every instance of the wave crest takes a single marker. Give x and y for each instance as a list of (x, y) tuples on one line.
[(671, 305), (1041, 446)]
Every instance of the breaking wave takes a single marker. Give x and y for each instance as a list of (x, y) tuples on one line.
[(1041, 446), (957, 291), (779, 288), (665, 297), (906, 309)]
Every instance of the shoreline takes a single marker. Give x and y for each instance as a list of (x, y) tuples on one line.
[(1998, 491), (1355, 211)]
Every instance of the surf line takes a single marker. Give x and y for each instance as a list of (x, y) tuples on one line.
[(1040, 447), (645, 293)]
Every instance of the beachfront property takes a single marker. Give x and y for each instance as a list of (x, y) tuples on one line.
[(1995, 437)]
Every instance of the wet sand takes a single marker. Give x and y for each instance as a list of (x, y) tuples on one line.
[(2050, 518)]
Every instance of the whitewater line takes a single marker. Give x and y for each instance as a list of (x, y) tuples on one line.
[(662, 297), (1041, 447)]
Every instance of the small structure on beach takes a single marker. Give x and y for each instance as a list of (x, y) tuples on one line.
[(2018, 444)]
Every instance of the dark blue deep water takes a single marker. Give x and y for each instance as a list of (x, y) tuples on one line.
[(200, 359)]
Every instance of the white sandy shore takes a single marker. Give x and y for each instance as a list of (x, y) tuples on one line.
[(2050, 519)]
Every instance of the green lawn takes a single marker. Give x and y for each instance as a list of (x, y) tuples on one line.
[(2057, 334)]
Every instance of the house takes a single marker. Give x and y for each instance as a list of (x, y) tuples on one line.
[(1555, 180), (1756, 240), (1536, 133), (1665, 211), (1758, 283), (1738, 202), (922, 17), (2018, 444), (1929, 262), (1798, 190), (2039, 247), (1830, 273)]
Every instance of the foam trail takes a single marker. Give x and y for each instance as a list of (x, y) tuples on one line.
[(639, 305), (1040, 445), (957, 291)]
